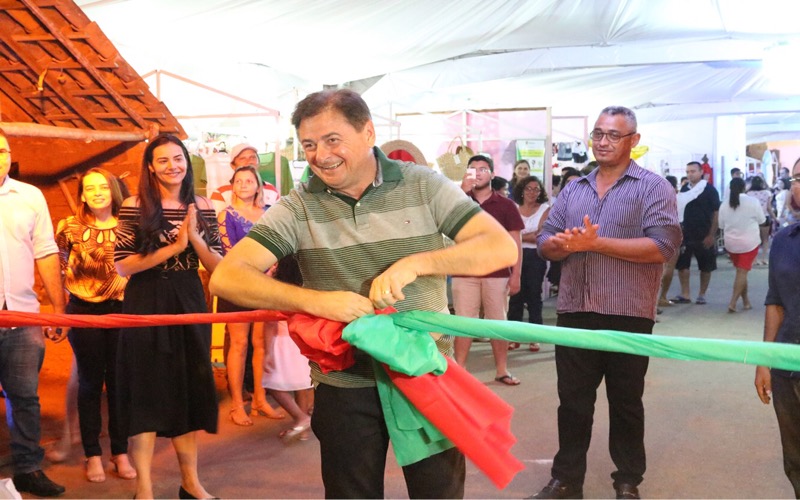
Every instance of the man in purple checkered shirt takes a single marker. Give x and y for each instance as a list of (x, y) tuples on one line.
[(612, 230)]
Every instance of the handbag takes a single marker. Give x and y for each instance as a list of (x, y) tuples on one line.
[(453, 163)]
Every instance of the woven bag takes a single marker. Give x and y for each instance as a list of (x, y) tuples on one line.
[(453, 163)]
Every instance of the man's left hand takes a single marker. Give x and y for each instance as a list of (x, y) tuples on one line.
[(708, 241), (578, 239), (514, 284), (387, 288)]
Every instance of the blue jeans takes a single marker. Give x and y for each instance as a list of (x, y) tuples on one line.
[(21, 357), (786, 400)]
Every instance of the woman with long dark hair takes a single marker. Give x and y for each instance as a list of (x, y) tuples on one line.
[(739, 220), (164, 375), (86, 251), (531, 197)]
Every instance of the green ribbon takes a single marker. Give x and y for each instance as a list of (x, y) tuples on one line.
[(775, 355), (407, 351), (401, 341)]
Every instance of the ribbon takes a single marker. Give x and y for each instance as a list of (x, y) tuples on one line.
[(772, 354), (11, 319)]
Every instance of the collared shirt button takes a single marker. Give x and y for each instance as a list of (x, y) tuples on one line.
[(358, 203)]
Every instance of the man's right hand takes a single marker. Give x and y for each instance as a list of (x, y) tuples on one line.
[(341, 306), (468, 182), (763, 383)]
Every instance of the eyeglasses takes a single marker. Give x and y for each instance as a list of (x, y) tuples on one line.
[(613, 137), (483, 170), (530, 189), (4, 152), (796, 178)]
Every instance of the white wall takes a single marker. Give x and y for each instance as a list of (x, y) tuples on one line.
[(673, 144), (730, 146)]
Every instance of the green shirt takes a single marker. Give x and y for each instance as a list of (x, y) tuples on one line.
[(342, 244)]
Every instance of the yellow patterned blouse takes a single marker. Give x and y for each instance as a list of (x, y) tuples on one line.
[(87, 260)]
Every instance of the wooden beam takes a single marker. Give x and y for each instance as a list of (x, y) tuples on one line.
[(16, 129), (88, 66), (33, 67), (96, 92), (153, 115), (46, 38), (60, 66), (23, 104)]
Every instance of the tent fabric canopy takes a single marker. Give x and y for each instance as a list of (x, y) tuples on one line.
[(670, 60)]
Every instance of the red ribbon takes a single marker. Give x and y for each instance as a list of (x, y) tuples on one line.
[(10, 319)]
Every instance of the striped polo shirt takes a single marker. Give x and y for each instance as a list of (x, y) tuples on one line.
[(639, 204), (342, 244)]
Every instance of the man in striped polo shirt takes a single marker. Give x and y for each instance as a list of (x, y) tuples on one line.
[(612, 230), (367, 232)]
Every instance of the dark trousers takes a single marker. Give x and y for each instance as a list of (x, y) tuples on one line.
[(786, 400), (530, 291), (580, 372), (96, 355), (353, 444)]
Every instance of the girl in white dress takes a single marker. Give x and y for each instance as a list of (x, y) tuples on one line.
[(286, 372)]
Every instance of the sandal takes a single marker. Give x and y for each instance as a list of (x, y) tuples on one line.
[(513, 345), (123, 467), (680, 299), (507, 379), (94, 470), (296, 433), (240, 418), (534, 347), (264, 409)]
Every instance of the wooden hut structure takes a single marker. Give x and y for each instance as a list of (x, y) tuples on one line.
[(69, 101)]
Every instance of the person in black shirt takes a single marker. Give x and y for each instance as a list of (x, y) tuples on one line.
[(698, 208)]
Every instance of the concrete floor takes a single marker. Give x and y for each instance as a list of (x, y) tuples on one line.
[(707, 436)]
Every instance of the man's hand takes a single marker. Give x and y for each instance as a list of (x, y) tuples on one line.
[(578, 239), (468, 182), (55, 334), (763, 383), (387, 288), (708, 241), (341, 306)]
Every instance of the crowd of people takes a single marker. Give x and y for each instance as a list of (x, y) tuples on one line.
[(341, 247)]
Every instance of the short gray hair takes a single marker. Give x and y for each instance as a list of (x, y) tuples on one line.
[(629, 115)]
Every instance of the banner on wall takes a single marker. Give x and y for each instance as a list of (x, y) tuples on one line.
[(532, 150)]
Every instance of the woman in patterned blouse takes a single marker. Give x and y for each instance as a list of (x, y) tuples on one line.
[(86, 251)]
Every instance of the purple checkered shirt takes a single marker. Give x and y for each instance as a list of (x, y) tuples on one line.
[(640, 204)]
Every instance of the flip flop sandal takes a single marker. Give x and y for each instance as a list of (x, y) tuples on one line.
[(680, 299), (507, 380), (297, 433)]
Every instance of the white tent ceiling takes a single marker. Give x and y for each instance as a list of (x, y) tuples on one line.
[(669, 59)]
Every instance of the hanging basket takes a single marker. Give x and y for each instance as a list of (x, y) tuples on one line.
[(453, 163)]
